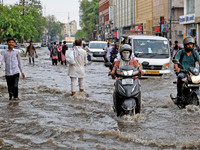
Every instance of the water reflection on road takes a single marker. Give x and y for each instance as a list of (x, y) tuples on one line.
[(47, 117)]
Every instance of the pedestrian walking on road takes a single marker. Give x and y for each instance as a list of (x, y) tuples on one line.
[(64, 49), (31, 50), (13, 67), (50, 48), (59, 51), (78, 69), (175, 49), (54, 52)]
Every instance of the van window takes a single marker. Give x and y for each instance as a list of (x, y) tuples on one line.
[(97, 45), (151, 48)]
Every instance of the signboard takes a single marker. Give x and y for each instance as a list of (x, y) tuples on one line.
[(157, 29), (114, 34), (187, 19), (138, 28), (164, 27)]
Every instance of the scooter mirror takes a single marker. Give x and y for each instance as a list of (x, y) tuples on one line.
[(175, 61)]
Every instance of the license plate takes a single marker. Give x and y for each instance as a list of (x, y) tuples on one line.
[(152, 72), (127, 81)]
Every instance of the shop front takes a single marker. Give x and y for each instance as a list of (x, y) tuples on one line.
[(190, 27), (197, 21)]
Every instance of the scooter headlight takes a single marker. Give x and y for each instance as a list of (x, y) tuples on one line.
[(128, 73), (129, 105), (195, 79)]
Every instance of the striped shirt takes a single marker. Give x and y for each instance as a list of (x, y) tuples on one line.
[(12, 61)]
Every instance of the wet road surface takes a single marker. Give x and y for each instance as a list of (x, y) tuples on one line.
[(47, 117)]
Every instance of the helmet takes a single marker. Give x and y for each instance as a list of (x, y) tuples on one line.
[(125, 47), (188, 40), (181, 46)]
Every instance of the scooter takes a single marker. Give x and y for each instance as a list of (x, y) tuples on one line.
[(127, 93), (190, 88)]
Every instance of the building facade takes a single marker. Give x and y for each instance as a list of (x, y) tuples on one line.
[(123, 16), (191, 19), (104, 25), (197, 21), (70, 29), (166, 19)]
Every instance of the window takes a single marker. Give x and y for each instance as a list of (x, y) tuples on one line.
[(190, 6)]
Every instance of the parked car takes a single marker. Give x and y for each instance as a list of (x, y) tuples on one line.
[(153, 53), (21, 50), (96, 51), (69, 45), (37, 45)]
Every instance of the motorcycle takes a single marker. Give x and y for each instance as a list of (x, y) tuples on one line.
[(190, 88), (127, 93)]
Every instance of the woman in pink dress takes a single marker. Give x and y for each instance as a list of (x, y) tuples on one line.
[(54, 52), (60, 49)]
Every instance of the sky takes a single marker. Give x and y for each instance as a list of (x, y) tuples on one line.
[(61, 9)]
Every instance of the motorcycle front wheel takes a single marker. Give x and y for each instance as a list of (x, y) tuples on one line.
[(195, 99)]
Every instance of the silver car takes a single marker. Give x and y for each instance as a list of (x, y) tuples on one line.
[(21, 51)]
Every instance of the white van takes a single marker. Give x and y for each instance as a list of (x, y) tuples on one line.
[(96, 50), (152, 52)]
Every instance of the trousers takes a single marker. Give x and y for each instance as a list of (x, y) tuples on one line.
[(32, 59), (180, 83), (73, 83), (12, 82)]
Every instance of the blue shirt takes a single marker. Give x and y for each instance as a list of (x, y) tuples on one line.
[(187, 61)]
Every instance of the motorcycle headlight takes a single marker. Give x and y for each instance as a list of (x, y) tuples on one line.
[(195, 79)]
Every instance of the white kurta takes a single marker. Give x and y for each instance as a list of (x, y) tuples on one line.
[(78, 70)]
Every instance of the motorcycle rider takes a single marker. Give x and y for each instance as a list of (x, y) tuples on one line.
[(126, 59), (187, 57)]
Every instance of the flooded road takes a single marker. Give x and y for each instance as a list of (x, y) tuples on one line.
[(47, 117)]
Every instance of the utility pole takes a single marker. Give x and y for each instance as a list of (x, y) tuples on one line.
[(23, 3), (170, 22)]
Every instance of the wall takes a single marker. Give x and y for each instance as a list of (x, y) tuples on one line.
[(144, 14)]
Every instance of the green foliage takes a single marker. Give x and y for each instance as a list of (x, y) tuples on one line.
[(90, 16), (54, 27), (23, 22), (80, 34)]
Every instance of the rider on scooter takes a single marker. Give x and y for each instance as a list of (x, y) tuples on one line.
[(187, 57), (125, 52)]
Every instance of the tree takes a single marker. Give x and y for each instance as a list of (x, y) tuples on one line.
[(23, 21), (80, 34), (14, 23), (90, 16), (54, 27), (34, 8)]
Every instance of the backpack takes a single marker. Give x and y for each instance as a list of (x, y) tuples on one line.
[(55, 51), (193, 53), (64, 48)]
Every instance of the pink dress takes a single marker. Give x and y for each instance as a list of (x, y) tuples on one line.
[(53, 56), (62, 55)]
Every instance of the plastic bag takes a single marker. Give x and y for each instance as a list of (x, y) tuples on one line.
[(69, 55)]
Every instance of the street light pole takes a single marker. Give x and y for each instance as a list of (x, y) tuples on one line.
[(170, 23), (23, 5)]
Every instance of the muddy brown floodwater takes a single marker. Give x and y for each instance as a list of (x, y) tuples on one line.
[(47, 117)]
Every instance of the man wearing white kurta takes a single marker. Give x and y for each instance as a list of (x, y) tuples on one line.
[(78, 69)]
